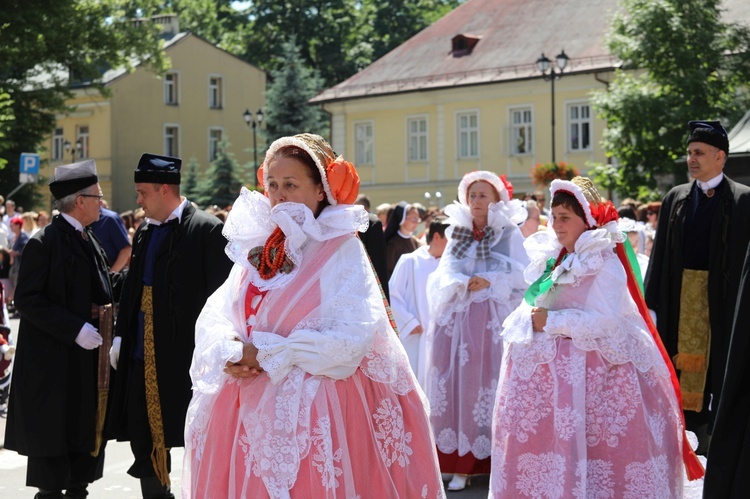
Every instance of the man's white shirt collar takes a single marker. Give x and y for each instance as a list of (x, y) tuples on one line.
[(177, 213), (72, 221), (711, 184)]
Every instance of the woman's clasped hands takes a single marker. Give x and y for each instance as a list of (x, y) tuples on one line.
[(248, 367)]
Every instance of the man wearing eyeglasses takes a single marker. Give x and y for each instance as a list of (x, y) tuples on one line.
[(693, 276), (61, 373)]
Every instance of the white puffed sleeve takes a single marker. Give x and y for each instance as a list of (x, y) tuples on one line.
[(218, 334), (403, 297), (332, 341)]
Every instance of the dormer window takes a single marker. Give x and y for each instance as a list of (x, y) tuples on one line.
[(463, 44)]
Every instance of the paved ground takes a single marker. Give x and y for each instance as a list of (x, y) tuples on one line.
[(117, 484)]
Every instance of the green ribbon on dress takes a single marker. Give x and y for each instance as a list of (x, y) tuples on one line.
[(633, 259), (542, 284)]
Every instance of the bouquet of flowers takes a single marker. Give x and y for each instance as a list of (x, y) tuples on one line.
[(544, 173)]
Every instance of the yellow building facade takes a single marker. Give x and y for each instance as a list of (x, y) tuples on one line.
[(467, 93), (186, 112), (416, 146)]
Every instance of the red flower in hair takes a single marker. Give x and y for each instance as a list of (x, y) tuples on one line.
[(604, 213), (343, 181), (508, 186)]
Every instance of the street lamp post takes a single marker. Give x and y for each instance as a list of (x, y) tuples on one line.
[(543, 63), (254, 123), (73, 150), (438, 198)]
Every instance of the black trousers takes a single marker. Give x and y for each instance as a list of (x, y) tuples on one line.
[(138, 428), (58, 472)]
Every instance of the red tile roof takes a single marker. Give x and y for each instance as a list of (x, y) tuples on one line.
[(513, 34)]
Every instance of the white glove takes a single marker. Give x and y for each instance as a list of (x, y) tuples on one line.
[(89, 338), (114, 352)]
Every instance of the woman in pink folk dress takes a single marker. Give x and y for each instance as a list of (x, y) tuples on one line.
[(478, 282), (587, 404), (301, 387)]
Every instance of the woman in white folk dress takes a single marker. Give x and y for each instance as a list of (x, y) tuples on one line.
[(301, 387), (478, 282), (587, 402)]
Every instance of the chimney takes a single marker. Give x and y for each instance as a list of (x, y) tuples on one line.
[(170, 24)]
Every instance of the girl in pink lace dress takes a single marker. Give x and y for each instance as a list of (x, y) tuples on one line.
[(301, 388), (587, 403)]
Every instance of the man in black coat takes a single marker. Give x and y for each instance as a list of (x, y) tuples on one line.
[(729, 453), (374, 243), (178, 261), (59, 369), (702, 232)]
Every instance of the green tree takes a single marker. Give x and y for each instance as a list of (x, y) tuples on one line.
[(680, 62), (218, 21), (222, 183), (325, 31), (287, 111), (190, 185), (395, 21), (5, 117), (49, 46)]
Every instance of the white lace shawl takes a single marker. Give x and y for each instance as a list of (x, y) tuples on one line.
[(503, 269), (252, 220), (588, 303), (327, 319)]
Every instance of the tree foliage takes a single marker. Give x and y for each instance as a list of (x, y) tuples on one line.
[(337, 37), (47, 44), (221, 184), (287, 111), (680, 62), (395, 21), (189, 187)]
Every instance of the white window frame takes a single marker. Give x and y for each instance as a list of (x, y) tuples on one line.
[(213, 143), (524, 128), (82, 134), (58, 144), (364, 150), (174, 86), (579, 122), (468, 133), (417, 139), (215, 92), (176, 137)]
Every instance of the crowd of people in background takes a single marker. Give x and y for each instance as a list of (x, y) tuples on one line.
[(528, 322)]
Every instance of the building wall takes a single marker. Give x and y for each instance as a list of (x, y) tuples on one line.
[(92, 111), (392, 176), (133, 118), (140, 114)]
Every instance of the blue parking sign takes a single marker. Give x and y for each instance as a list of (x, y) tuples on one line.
[(29, 163)]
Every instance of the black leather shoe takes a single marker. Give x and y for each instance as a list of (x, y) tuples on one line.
[(49, 494)]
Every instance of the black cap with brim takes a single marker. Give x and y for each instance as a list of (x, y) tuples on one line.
[(62, 188), (709, 132), (154, 169)]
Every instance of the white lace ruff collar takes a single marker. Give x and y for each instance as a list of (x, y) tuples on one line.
[(252, 220), (498, 214), (586, 259)]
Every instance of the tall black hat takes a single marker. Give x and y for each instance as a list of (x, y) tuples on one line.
[(709, 132), (155, 169)]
